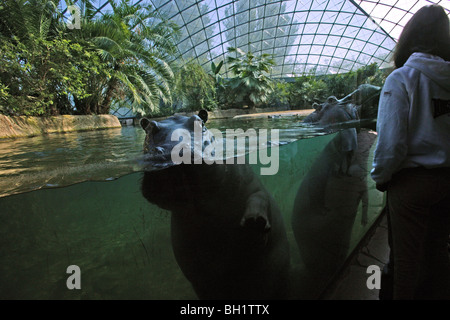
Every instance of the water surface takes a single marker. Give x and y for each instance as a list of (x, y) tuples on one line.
[(57, 160)]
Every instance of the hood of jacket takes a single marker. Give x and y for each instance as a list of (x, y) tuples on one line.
[(434, 67)]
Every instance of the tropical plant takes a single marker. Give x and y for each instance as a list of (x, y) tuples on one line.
[(251, 82), (47, 68), (27, 20), (340, 85), (194, 87), (279, 97), (306, 90), (313, 91), (41, 71), (218, 80), (373, 75), (137, 44)]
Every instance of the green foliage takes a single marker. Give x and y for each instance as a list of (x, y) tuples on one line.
[(49, 69), (4, 97), (218, 80), (42, 78), (125, 58), (251, 83), (340, 85), (195, 88), (307, 90), (373, 75), (28, 20), (136, 43), (26, 32), (216, 68), (279, 97)]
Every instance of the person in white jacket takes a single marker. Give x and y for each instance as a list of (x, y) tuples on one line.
[(412, 157)]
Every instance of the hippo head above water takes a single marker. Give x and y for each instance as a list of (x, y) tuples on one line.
[(360, 105), (175, 135)]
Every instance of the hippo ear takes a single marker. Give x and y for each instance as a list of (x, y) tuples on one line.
[(203, 114), (144, 123), (149, 126)]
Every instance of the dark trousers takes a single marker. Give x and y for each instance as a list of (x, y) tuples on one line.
[(419, 209)]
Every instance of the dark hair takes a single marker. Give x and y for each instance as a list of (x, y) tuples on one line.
[(428, 31)]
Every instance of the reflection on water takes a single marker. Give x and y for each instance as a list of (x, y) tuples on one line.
[(123, 244), (63, 159), (328, 202)]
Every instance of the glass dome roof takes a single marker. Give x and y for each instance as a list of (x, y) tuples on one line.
[(304, 36)]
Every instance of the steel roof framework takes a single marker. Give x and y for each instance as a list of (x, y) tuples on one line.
[(305, 36)]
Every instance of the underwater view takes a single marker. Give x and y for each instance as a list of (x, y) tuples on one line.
[(88, 199), (197, 150)]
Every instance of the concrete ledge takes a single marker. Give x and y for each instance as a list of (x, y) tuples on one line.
[(22, 126)]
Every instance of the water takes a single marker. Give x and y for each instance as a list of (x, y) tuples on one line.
[(62, 159), (75, 199)]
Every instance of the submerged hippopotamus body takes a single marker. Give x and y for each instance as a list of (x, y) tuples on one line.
[(327, 203), (228, 235), (330, 194)]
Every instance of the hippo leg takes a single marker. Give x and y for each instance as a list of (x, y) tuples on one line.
[(344, 167)]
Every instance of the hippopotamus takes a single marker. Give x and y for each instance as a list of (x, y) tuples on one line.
[(333, 116), (347, 115), (327, 200), (227, 232), (360, 105)]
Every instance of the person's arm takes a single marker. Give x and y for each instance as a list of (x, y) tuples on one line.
[(392, 129)]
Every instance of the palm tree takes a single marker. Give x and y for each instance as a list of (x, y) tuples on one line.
[(125, 56), (137, 44), (251, 81), (27, 20), (31, 29)]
